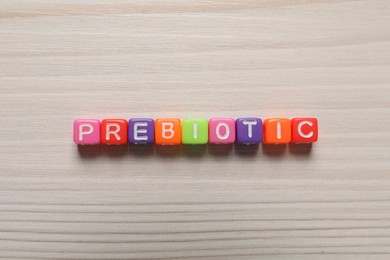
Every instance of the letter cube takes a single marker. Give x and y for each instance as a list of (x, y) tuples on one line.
[(222, 130), (277, 131), (167, 131), (249, 130), (304, 130), (114, 131), (141, 131), (86, 131), (195, 131)]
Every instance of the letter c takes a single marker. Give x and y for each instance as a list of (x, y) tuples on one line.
[(301, 133)]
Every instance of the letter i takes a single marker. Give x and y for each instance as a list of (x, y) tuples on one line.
[(195, 125)]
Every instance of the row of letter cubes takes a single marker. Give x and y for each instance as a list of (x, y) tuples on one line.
[(173, 131)]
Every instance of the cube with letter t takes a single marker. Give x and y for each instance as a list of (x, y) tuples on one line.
[(249, 130)]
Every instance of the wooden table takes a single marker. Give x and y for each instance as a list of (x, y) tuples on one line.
[(61, 60)]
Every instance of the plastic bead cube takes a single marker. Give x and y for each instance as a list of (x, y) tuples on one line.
[(249, 130), (195, 131), (277, 131), (167, 131), (141, 131), (114, 131), (304, 130), (86, 131), (222, 130)]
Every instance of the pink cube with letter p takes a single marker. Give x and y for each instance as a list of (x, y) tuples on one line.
[(86, 131), (222, 130)]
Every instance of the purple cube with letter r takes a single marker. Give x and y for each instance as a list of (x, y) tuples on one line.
[(249, 130), (141, 131)]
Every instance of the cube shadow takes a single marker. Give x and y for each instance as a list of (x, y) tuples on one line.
[(274, 150), (194, 150), (90, 151), (141, 150), (300, 149), (220, 149), (115, 150), (246, 149)]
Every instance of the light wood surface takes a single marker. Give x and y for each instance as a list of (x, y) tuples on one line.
[(61, 60)]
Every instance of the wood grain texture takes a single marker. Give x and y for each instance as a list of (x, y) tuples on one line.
[(61, 60)]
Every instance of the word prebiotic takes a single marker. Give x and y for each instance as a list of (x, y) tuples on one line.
[(173, 131)]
